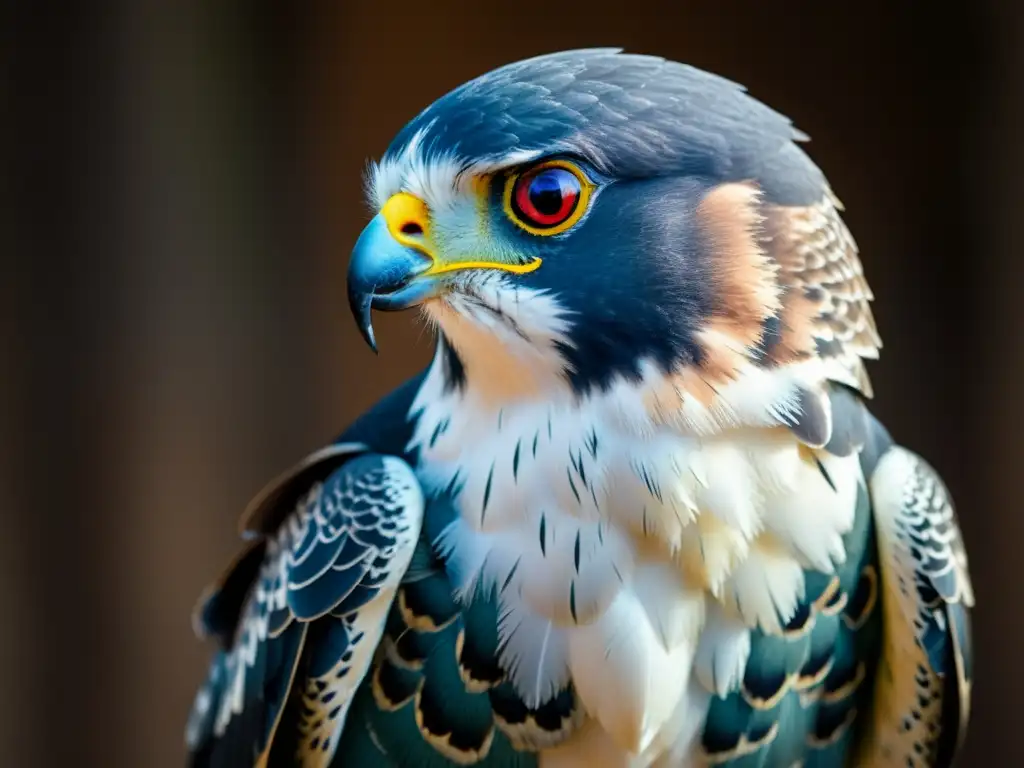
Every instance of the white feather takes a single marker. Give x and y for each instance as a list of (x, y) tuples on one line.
[(709, 552), (675, 612), (535, 654), (814, 520), (722, 652), (774, 457), (756, 397), (655, 498), (465, 555), (624, 676), (766, 587), (571, 594), (416, 169), (729, 491), (509, 364), (592, 747), (678, 745)]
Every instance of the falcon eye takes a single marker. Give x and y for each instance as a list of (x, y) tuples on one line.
[(547, 199)]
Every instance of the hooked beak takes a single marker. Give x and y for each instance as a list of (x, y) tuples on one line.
[(387, 269)]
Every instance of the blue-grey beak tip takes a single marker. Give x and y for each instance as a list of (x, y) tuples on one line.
[(361, 303)]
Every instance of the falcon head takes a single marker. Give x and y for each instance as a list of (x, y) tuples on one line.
[(587, 219)]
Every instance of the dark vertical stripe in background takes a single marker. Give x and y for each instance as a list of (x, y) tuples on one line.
[(994, 455), (61, 630), (184, 183)]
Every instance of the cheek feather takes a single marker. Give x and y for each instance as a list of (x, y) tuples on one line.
[(796, 328), (743, 277), (744, 295), (791, 231), (725, 356)]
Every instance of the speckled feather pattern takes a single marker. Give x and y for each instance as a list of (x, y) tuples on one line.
[(325, 585), (827, 297), (919, 719)]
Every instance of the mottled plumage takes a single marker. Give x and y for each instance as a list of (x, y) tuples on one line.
[(316, 607), (636, 512)]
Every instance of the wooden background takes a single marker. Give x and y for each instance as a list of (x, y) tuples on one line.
[(184, 183)]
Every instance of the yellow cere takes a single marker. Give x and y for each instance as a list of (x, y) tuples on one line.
[(408, 221)]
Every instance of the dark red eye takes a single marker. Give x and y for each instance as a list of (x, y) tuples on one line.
[(547, 197)]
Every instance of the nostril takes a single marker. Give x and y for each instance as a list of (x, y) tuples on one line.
[(412, 228)]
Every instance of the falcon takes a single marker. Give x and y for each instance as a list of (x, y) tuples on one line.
[(636, 512)]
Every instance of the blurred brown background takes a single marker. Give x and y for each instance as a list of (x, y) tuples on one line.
[(185, 181)]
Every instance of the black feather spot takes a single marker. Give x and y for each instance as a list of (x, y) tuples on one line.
[(824, 473), (438, 431), (487, 493), (802, 619), (429, 599), (832, 721), (438, 718), (572, 485), (478, 664), (762, 688), (454, 370), (511, 573), (864, 598)]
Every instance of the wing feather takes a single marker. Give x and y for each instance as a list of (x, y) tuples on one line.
[(923, 689), (300, 614)]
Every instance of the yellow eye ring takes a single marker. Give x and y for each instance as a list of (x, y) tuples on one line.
[(548, 198)]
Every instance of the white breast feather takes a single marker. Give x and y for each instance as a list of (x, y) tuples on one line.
[(632, 557), (723, 651)]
